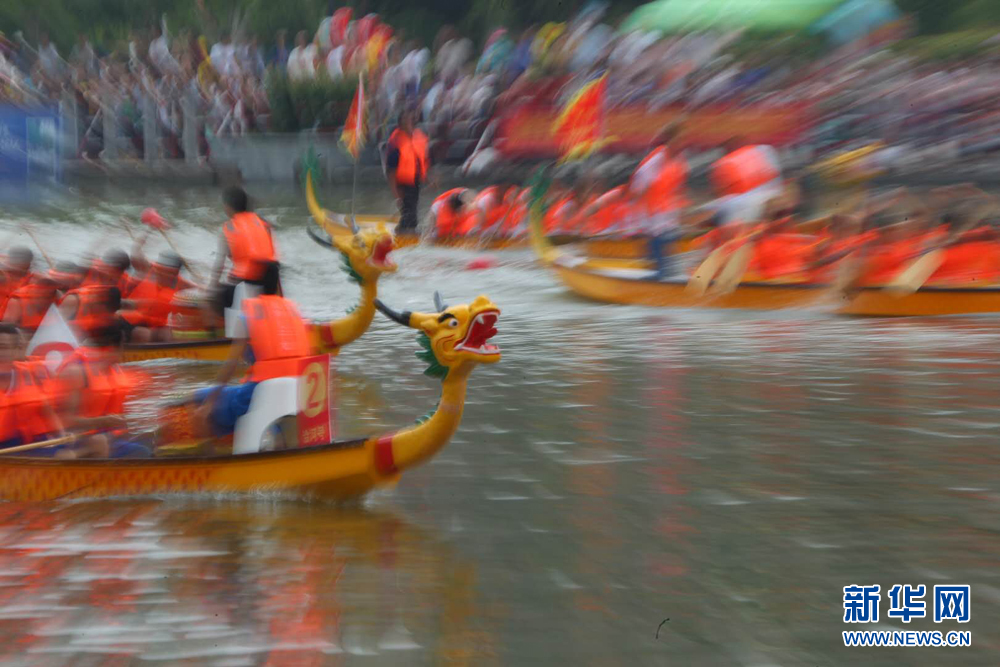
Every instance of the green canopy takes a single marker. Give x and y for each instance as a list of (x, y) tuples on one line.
[(685, 15)]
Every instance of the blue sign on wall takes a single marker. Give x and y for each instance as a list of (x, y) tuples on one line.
[(29, 143)]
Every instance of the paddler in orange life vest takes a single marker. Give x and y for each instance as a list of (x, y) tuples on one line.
[(146, 313), (406, 166), (744, 179), (84, 307), (16, 272), (452, 213), (93, 390), (248, 242), (657, 189), (30, 294), (27, 413), (273, 340)]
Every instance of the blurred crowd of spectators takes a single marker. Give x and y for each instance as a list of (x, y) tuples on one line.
[(864, 95)]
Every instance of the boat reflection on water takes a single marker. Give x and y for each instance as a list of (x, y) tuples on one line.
[(198, 580)]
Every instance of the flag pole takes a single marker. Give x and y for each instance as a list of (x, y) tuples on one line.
[(357, 138), (354, 187)]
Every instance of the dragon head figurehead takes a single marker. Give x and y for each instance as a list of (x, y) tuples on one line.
[(365, 250), (454, 338)]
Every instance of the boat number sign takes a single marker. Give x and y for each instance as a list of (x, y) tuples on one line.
[(315, 426)]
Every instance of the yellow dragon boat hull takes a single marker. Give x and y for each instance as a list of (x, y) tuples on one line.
[(336, 471), (216, 349), (628, 286)]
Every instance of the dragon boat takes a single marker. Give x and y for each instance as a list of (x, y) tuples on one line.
[(635, 282), (454, 341), (365, 252)]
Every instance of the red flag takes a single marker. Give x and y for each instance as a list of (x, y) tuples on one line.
[(354, 128), (580, 125)]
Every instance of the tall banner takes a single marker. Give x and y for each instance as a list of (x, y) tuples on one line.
[(527, 132)]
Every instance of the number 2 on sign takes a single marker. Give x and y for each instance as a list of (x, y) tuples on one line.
[(313, 397)]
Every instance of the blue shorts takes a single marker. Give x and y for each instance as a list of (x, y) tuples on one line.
[(232, 403)]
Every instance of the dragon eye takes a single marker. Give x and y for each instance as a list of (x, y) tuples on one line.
[(453, 323)]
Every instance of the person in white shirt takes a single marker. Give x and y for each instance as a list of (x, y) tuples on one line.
[(159, 51), (48, 57), (223, 57), (335, 63), (302, 59)]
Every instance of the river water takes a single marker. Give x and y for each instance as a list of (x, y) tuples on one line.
[(728, 471)]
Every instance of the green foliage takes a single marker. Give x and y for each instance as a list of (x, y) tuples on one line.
[(301, 105), (279, 98), (948, 46), (434, 367)]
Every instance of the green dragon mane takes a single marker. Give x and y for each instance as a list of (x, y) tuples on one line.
[(539, 183), (310, 165), (434, 368), (353, 275)]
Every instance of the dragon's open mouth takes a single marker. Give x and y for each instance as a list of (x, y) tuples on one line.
[(380, 254), (481, 330)]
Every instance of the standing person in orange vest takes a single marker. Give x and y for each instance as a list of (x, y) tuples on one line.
[(407, 163), (248, 242), (658, 186), (745, 178), (273, 339)]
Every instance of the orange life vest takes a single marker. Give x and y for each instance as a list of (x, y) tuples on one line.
[(446, 219), (516, 202), (107, 389), (972, 260), (743, 170), (278, 337), (154, 303), (612, 208), (783, 254), (35, 298), (665, 192), (557, 214), (250, 245), (91, 310), (577, 223), (412, 166), (24, 406), (490, 202), (102, 274)]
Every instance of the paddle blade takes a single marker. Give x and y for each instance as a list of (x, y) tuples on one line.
[(702, 276), (151, 217), (913, 277), (848, 270), (732, 274)]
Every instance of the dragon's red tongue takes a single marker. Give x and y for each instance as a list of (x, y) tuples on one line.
[(381, 252), (482, 330)]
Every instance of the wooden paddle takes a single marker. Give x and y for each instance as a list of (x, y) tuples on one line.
[(919, 271), (913, 277), (702, 277), (735, 268), (30, 233), (152, 218), (66, 439)]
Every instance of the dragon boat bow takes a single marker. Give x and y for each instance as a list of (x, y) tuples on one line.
[(455, 340)]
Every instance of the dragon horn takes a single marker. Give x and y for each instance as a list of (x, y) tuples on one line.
[(439, 303), (400, 318), (354, 224)]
